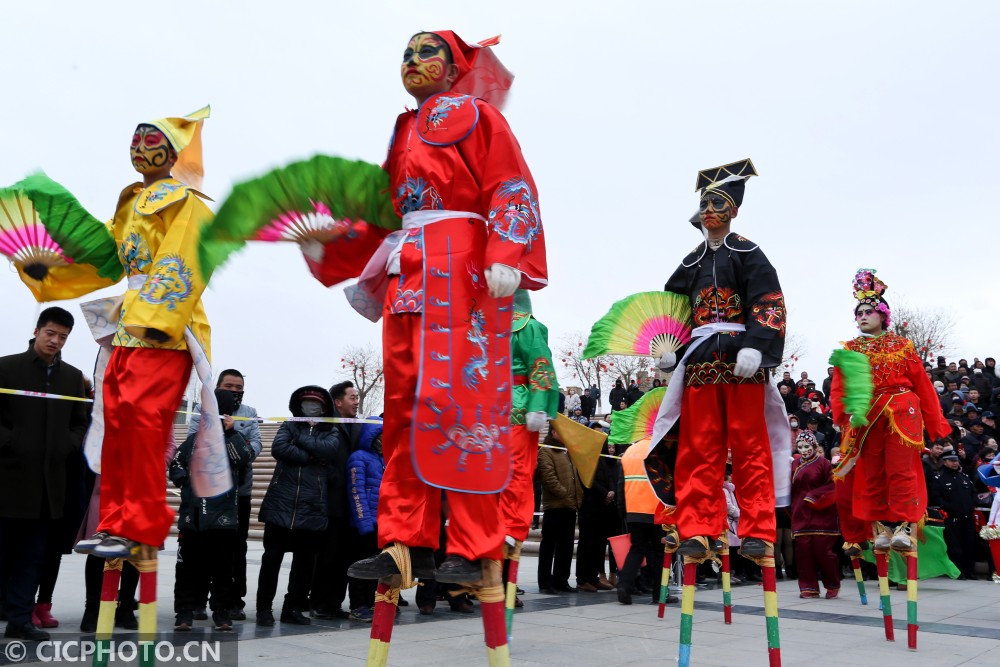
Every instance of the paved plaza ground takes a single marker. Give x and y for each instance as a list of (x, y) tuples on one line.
[(960, 625)]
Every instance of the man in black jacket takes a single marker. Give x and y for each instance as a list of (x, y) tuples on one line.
[(38, 439), (330, 581), (952, 490)]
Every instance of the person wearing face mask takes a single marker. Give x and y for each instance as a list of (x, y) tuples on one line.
[(814, 520), (232, 380), (883, 446), (294, 510), (208, 540)]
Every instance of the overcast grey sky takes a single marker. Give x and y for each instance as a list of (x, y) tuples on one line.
[(872, 125)]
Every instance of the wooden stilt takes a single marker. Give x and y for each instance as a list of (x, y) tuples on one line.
[(687, 612), (727, 585), (882, 563), (911, 599), (856, 566), (664, 584), (514, 560), (106, 612), (386, 601), (771, 611)]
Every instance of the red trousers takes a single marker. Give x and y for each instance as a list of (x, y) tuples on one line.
[(409, 511), (814, 556), (717, 418), (142, 390), (890, 478), (517, 501), (851, 527)]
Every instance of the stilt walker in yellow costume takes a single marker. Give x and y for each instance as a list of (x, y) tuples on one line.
[(150, 337)]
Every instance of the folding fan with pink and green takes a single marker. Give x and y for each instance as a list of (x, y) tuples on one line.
[(43, 226), (344, 204), (636, 422), (646, 324)]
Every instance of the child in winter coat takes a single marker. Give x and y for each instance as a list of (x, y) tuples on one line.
[(364, 476)]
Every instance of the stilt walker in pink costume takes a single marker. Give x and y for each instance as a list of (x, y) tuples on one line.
[(442, 285), (884, 436)]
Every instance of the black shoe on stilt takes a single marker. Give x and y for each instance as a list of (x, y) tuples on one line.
[(383, 565), (753, 547), (457, 570)]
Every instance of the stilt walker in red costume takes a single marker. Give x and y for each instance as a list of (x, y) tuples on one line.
[(722, 389), (150, 338), (882, 446), (535, 401), (471, 236)]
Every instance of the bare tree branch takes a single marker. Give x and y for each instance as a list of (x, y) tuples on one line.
[(363, 366), (596, 371), (794, 349), (932, 331)]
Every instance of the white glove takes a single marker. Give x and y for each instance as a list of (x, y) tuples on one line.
[(313, 249), (502, 280), (534, 421), (747, 362), (667, 361)]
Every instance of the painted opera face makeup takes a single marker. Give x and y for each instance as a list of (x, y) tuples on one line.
[(425, 66), (715, 211), (150, 150), (806, 450), (869, 320)]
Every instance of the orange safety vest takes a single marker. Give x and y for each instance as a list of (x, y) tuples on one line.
[(640, 501)]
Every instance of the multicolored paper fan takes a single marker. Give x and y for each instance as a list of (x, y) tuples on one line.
[(42, 226), (644, 324), (636, 422), (318, 199)]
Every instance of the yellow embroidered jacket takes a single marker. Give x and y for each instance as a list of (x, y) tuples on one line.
[(156, 231)]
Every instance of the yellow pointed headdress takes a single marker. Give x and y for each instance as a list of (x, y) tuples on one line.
[(184, 134)]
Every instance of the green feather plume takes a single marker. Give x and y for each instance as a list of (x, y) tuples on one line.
[(858, 386)]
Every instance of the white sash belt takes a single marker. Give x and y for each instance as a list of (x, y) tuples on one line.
[(368, 295)]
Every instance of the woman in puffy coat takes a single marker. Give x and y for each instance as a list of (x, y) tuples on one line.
[(294, 511), (364, 476)]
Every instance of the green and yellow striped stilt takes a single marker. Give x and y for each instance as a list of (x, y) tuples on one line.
[(911, 599)]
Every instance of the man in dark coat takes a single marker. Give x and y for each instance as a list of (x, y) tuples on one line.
[(39, 437), (330, 582)]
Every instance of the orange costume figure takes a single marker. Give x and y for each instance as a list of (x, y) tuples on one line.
[(883, 456)]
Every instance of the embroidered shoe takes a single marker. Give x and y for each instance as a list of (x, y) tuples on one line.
[(86, 546), (116, 547), (883, 539), (901, 538)]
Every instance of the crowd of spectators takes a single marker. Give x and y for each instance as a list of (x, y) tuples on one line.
[(321, 502), (969, 397)]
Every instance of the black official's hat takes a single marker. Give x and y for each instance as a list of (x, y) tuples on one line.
[(729, 180)]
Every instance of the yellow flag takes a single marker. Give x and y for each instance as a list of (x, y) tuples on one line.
[(583, 444)]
